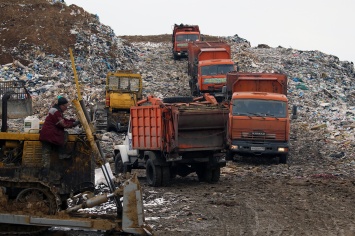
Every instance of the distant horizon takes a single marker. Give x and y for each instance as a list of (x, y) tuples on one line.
[(315, 25)]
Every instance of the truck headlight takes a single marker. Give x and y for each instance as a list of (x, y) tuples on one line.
[(234, 147), (282, 149)]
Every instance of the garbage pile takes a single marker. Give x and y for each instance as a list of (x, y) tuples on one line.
[(322, 86)]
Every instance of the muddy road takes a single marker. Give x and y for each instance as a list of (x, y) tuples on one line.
[(255, 199)]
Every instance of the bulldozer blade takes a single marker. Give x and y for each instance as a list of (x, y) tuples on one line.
[(133, 214), (19, 103)]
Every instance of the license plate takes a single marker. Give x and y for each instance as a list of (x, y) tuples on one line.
[(257, 148)]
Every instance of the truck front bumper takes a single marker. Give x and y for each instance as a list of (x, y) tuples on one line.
[(255, 148)]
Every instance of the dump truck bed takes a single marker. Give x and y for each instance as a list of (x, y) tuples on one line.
[(178, 128), (256, 82)]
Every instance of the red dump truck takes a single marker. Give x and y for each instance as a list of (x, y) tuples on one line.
[(208, 64), (182, 34), (258, 122), (174, 136)]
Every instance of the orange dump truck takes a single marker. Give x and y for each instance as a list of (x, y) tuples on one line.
[(182, 34), (174, 136), (208, 64), (258, 122)]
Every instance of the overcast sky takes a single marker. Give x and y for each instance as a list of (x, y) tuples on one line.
[(323, 25)]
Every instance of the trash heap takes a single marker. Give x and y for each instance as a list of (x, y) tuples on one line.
[(322, 86)]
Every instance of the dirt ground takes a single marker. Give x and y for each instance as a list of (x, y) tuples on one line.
[(254, 198)]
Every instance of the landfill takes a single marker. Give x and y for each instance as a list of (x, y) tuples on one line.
[(320, 85)]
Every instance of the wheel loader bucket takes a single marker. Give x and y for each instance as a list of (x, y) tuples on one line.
[(19, 104)]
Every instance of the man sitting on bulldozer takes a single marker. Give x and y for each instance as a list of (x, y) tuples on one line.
[(53, 135)]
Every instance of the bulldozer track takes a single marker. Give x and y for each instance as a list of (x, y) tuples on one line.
[(6, 229), (32, 197)]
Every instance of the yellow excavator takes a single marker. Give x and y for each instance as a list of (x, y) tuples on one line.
[(30, 203)]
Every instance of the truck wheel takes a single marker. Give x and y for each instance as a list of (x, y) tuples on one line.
[(209, 175), (120, 167), (283, 159), (173, 172), (177, 99), (216, 173), (153, 174), (229, 155), (201, 174), (165, 181), (118, 164)]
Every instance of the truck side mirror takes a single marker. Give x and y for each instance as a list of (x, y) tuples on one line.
[(294, 112)]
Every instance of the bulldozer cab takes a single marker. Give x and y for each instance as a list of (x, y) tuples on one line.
[(123, 89), (19, 104)]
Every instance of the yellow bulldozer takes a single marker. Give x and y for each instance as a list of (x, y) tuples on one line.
[(31, 202), (123, 90)]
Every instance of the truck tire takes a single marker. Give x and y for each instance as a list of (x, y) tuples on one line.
[(166, 177), (118, 164), (208, 174), (216, 174), (153, 174), (178, 99), (283, 159), (120, 167), (201, 173), (229, 155)]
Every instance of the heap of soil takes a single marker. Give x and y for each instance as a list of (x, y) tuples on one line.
[(28, 24)]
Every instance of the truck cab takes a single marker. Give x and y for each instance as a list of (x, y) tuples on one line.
[(182, 34), (208, 64), (258, 122), (212, 74), (125, 155)]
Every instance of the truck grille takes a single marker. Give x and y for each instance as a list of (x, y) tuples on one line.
[(258, 136)]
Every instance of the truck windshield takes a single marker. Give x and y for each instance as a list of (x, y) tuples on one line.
[(187, 37), (254, 107), (216, 69)]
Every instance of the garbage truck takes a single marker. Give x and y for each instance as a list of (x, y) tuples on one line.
[(208, 64), (259, 121), (174, 136), (182, 34)]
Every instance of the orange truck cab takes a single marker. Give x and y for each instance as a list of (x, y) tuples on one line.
[(182, 34), (208, 64), (258, 122)]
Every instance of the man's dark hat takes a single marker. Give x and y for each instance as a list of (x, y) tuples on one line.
[(62, 101)]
